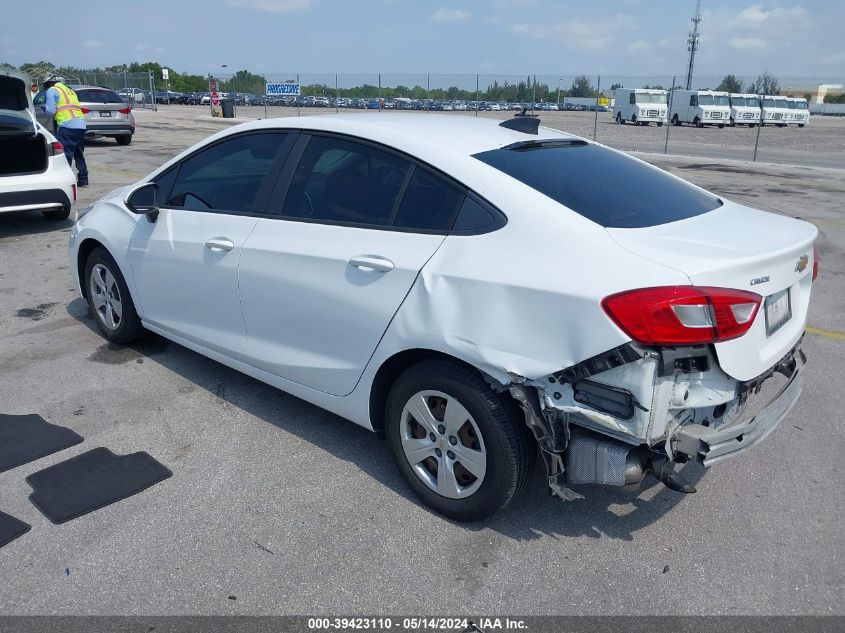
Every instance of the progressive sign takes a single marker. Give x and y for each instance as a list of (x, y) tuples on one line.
[(283, 89)]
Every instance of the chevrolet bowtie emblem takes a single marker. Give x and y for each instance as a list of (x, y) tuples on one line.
[(801, 264)]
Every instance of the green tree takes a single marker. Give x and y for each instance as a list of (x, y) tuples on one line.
[(581, 87), (765, 84), (730, 84)]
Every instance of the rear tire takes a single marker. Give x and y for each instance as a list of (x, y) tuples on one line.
[(676, 120), (123, 140), (619, 118), (482, 426), (109, 300), (54, 215)]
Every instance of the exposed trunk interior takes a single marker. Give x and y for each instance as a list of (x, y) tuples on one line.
[(22, 155)]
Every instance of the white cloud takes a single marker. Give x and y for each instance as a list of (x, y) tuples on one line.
[(834, 58), (583, 34), (144, 48), (450, 15), (745, 43), (273, 6), (640, 46), (757, 15), (92, 43)]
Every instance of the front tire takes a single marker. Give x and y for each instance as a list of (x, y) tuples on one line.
[(697, 122), (676, 120), (109, 300), (460, 446)]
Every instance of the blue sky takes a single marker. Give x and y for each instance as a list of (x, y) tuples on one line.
[(635, 37)]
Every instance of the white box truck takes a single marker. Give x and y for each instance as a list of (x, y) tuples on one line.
[(745, 109), (775, 110), (640, 105), (799, 111), (700, 107)]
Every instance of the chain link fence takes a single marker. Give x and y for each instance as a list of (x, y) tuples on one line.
[(611, 109), (137, 89)]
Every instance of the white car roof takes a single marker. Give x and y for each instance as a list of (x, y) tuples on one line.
[(416, 134)]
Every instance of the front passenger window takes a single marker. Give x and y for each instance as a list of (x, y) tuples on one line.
[(226, 176)]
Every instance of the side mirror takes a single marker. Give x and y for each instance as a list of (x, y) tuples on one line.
[(143, 199)]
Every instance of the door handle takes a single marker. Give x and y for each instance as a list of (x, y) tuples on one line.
[(372, 263), (219, 244)]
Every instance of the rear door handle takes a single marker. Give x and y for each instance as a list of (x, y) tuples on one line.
[(372, 263), (218, 244)]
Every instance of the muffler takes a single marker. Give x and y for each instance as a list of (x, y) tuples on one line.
[(595, 459)]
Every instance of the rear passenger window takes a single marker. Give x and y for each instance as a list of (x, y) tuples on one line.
[(226, 176), (473, 217), (345, 182), (429, 203)]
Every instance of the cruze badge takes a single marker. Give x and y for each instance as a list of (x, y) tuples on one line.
[(759, 280), (801, 264)]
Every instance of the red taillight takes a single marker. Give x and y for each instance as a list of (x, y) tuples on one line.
[(816, 261), (125, 110), (56, 148), (85, 110), (683, 315)]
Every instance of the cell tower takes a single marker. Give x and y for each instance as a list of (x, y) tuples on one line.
[(692, 42)]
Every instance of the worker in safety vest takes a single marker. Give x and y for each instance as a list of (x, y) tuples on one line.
[(70, 125)]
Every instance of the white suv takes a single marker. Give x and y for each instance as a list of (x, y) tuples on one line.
[(34, 173)]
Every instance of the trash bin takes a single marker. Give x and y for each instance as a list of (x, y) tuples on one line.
[(228, 108)]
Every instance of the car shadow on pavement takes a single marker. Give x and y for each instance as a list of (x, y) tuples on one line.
[(19, 223), (532, 515)]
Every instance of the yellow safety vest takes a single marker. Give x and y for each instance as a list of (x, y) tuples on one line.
[(68, 106)]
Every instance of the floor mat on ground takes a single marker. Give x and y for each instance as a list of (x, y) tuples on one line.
[(11, 528), (25, 438), (91, 481)]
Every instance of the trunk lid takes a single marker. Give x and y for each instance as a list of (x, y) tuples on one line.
[(738, 247), (17, 114)]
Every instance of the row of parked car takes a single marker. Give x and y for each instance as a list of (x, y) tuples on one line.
[(138, 96)]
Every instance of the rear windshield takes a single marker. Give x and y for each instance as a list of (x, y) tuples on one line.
[(604, 186), (98, 96)]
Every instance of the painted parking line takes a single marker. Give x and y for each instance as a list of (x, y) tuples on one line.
[(840, 336)]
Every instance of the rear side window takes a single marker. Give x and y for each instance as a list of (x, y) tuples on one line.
[(345, 182), (604, 186), (98, 96), (429, 203)]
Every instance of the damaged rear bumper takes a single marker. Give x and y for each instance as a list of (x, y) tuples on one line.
[(710, 446)]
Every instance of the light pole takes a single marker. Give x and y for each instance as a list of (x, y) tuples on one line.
[(558, 92)]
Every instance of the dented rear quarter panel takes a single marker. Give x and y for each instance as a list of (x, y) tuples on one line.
[(525, 299)]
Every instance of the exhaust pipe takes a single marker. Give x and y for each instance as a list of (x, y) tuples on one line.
[(594, 459)]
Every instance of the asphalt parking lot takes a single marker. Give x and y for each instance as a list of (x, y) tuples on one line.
[(277, 507)]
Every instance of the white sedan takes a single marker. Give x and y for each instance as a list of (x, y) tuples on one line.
[(474, 290)]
